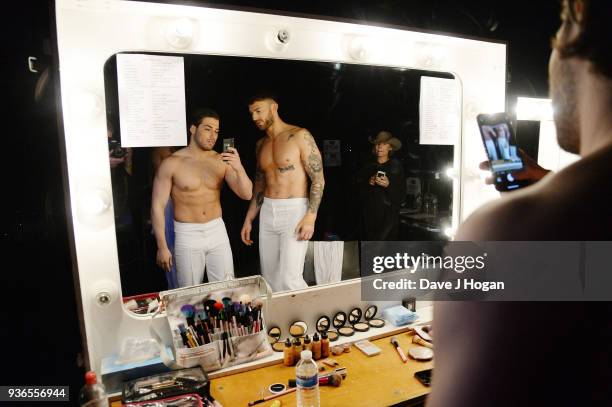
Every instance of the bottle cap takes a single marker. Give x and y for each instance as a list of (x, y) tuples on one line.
[(307, 339), (323, 335), (306, 355), (315, 337), (90, 378), (288, 343)]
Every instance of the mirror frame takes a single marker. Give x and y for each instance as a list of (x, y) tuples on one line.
[(116, 26)]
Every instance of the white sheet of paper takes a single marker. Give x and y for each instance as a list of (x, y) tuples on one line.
[(439, 111), (151, 100)]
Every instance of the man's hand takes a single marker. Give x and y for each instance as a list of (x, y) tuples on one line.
[(245, 233), (232, 158), (305, 229), (383, 181), (372, 180), (115, 162), (164, 259), (531, 170)]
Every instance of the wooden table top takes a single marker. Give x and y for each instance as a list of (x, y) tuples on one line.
[(380, 380)]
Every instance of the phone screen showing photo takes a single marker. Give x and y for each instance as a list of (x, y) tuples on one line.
[(500, 145)]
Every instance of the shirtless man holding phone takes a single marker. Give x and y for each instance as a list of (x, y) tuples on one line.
[(287, 157), (193, 176)]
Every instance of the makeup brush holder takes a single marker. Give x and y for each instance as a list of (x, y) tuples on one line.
[(218, 324)]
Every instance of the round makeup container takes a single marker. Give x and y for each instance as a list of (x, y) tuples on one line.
[(274, 335), (323, 325), (298, 329), (355, 320), (370, 315), (339, 321)]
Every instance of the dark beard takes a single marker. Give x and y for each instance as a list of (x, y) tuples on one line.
[(266, 125), (563, 93)]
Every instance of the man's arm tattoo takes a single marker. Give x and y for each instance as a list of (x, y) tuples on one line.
[(258, 187), (314, 169)]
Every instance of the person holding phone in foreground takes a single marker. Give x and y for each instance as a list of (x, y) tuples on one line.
[(511, 354), (382, 188), (193, 177)]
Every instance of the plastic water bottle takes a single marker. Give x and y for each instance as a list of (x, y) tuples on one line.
[(307, 381), (93, 393)]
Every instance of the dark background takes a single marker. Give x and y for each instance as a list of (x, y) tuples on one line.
[(40, 317)]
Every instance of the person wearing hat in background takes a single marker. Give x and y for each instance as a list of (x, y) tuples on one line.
[(382, 188)]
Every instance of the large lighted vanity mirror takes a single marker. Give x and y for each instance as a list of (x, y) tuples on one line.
[(384, 178)]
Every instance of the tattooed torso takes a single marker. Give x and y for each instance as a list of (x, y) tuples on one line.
[(279, 162)]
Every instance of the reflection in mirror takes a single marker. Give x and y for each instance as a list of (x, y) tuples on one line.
[(339, 319), (298, 329), (354, 316), (371, 312), (370, 315), (364, 120), (323, 324)]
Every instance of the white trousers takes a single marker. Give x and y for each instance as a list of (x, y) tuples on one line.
[(200, 247), (281, 254)]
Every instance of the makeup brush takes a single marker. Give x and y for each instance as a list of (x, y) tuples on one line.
[(188, 311), (399, 350), (334, 380), (417, 339)]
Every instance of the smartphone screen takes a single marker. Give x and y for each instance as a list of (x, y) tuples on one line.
[(227, 142), (500, 145), (424, 376)]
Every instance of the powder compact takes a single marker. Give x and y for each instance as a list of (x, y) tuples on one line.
[(298, 329), (274, 335), (369, 317), (323, 324), (339, 321), (355, 321)]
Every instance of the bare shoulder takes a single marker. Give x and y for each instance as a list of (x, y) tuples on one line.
[(171, 163), (303, 134), (500, 220)]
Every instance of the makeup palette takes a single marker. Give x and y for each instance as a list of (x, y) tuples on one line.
[(298, 329), (274, 335), (355, 321), (323, 324), (420, 353), (339, 321), (370, 315)]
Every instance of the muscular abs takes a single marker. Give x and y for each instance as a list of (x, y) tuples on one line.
[(196, 188), (279, 162)]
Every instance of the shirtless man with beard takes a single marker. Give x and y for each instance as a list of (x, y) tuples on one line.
[(510, 354), (287, 158)]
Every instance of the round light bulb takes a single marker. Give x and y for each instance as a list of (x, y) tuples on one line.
[(180, 32)]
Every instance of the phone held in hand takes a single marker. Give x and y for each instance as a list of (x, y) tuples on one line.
[(500, 145), (380, 174), (227, 143)]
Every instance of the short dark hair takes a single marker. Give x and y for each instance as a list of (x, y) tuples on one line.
[(200, 114), (262, 95), (593, 43)]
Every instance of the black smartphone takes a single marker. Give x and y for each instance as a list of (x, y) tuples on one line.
[(424, 376), (500, 145), (227, 143)]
